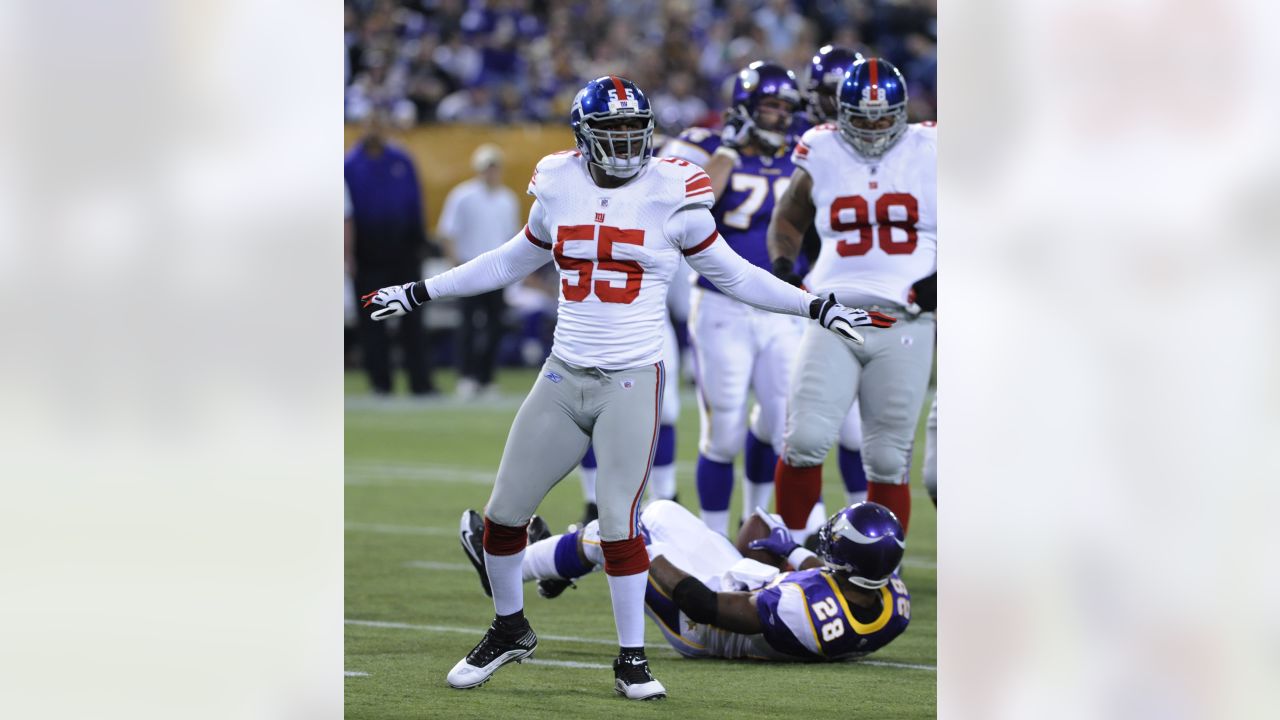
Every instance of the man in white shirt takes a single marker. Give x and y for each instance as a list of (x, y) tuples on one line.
[(479, 215)]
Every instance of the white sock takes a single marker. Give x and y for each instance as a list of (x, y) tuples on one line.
[(662, 482), (855, 497), (588, 483), (627, 594), (591, 544), (717, 520), (755, 495), (540, 559), (505, 581)]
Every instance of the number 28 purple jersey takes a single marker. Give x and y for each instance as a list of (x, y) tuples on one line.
[(805, 615), (742, 213)]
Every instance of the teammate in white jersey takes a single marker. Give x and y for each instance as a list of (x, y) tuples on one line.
[(869, 185), (615, 225)]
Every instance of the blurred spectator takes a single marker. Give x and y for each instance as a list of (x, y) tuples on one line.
[(387, 249), (678, 108), (479, 215), (521, 60), (469, 105)]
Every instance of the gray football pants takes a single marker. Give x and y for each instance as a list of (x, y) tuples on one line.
[(889, 375), (569, 407)]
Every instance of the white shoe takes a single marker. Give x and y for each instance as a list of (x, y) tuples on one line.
[(633, 680), (493, 652), (466, 388)]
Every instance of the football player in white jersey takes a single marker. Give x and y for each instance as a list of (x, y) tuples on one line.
[(615, 224), (868, 183)]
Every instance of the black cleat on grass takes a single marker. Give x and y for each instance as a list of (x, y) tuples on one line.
[(471, 535), (632, 679), (496, 648)]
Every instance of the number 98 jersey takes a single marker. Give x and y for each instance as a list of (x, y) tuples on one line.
[(805, 615), (878, 218)]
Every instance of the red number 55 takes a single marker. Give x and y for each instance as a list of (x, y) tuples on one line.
[(885, 225), (605, 236)]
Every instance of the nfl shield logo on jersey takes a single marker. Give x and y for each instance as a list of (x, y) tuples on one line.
[(628, 384)]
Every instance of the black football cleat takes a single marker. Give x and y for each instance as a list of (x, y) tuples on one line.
[(471, 535), (496, 648), (589, 513), (632, 679), (551, 587)]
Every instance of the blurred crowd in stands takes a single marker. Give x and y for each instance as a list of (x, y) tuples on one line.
[(514, 61)]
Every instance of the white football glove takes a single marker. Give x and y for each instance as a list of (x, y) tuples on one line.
[(737, 129), (395, 300), (842, 320)]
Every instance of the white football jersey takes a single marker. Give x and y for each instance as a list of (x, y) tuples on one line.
[(614, 256), (878, 219)]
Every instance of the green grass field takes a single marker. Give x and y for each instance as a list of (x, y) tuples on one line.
[(414, 605)]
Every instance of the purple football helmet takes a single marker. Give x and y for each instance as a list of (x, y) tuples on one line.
[(604, 102), (864, 543), (761, 80), (873, 91), (822, 82)]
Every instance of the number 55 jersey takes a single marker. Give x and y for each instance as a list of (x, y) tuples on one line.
[(878, 218), (806, 617)]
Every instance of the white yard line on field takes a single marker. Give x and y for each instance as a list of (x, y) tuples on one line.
[(569, 664), (592, 641), (352, 673), (401, 529), (473, 631), (431, 565)]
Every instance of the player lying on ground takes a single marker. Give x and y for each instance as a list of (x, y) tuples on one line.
[(616, 226), (710, 600)]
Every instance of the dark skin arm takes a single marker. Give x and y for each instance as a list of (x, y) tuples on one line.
[(791, 218), (736, 611)]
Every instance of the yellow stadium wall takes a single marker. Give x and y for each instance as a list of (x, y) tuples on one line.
[(443, 156)]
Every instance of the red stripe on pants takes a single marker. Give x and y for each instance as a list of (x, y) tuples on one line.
[(653, 445)]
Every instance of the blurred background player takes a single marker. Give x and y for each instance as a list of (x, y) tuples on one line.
[(388, 241), (869, 185), (822, 78), (629, 222), (929, 473), (709, 600), (737, 348), (479, 215)]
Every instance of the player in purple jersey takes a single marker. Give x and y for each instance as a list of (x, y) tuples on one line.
[(710, 601), (736, 348)]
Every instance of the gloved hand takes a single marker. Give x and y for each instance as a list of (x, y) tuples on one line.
[(842, 320), (778, 541), (737, 129), (396, 300)]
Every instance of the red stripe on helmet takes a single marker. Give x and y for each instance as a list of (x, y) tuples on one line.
[(617, 85), (874, 66)]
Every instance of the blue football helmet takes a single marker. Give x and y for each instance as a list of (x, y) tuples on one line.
[(761, 80), (603, 104), (863, 543), (822, 82), (872, 91)]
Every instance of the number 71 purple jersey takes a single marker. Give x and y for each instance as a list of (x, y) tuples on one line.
[(805, 615)]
